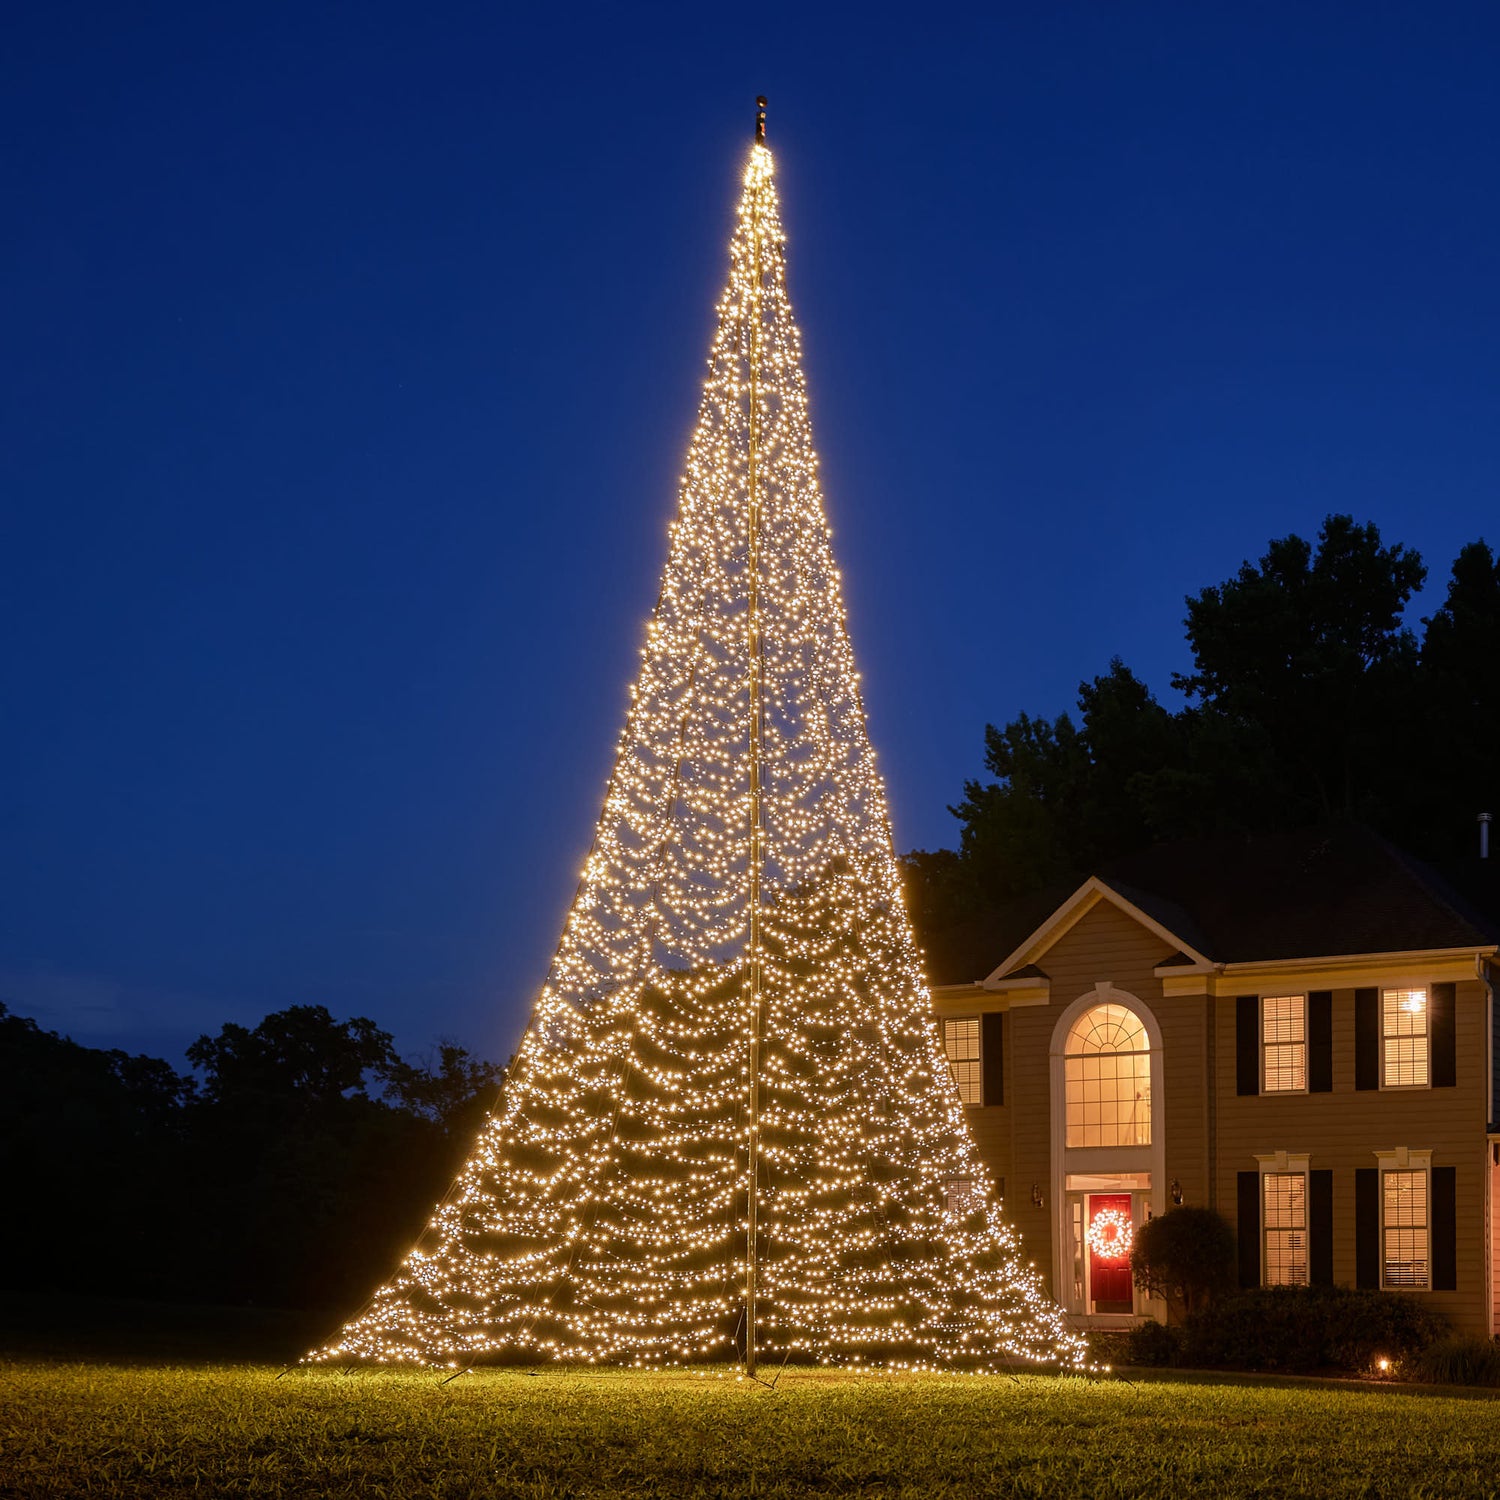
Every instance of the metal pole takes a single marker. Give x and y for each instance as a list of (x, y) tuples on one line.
[(752, 629)]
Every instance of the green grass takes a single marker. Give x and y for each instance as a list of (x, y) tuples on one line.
[(98, 1430)]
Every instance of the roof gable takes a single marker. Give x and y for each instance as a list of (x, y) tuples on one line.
[(1079, 905)]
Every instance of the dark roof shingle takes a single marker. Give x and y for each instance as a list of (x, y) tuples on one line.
[(1312, 893)]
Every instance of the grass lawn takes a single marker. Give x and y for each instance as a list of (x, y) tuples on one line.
[(105, 1430)]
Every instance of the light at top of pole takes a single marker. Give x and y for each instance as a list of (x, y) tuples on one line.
[(759, 166)]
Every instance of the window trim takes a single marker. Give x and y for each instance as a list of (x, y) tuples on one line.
[(1260, 1016), (1381, 991), (1279, 1164), (1402, 1159), (1150, 1047), (977, 1060)]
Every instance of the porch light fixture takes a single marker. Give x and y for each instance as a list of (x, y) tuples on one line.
[(1036, 1195), (1176, 1193)]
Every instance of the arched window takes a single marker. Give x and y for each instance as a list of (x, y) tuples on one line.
[(1107, 1077)]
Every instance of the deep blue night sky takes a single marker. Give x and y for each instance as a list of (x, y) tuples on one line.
[(349, 355)]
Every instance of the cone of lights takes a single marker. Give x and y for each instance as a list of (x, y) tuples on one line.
[(730, 1131)]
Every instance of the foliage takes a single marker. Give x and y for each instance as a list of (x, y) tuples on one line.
[(936, 886), (87, 1138), (452, 1090), (113, 1433), (1153, 1343), (299, 1053), (1306, 653), (1296, 1329), (1309, 700), (295, 1173), (1456, 1361), (1107, 1346), (1066, 795), (1459, 651), (1184, 1256)]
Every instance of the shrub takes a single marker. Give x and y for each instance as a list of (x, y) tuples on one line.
[(1108, 1346), (1152, 1343), (1299, 1328), (1457, 1361), (1363, 1325), (1186, 1257)]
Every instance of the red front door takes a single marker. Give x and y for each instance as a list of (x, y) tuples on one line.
[(1109, 1252)]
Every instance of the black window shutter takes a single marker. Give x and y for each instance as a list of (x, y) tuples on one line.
[(1444, 1229), (1320, 1226), (992, 1055), (1367, 1042), (1366, 1227), (1249, 1228), (1247, 1049), (1440, 1033), (1320, 1042)]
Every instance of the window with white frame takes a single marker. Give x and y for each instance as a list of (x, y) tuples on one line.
[(961, 1042), (1107, 1079), (1284, 1197), (1283, 1044), (1403, 1039), (1404, 1227)]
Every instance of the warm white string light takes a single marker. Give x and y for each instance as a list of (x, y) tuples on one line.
[(603, 1213)]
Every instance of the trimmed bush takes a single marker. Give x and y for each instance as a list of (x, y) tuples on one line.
[(1186, 1257), (1457, 1361), (1108, 1346), (1152, 1343), (1299, 1328)]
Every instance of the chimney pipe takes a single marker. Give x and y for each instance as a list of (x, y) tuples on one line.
[(1484, 835)]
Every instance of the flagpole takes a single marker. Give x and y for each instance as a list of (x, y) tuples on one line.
[(757, 709)]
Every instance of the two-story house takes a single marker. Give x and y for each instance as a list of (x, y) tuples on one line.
[(1298, 1031)]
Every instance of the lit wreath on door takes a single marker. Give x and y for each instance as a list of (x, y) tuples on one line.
[(1111, 1235)]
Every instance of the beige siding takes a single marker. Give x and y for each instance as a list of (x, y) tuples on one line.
[(1342, 1130), (990, 1124)]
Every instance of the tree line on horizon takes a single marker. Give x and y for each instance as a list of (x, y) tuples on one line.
[(1310, 700), (292, 1167)]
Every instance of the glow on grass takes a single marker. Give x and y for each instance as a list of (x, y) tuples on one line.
[(603, 1215)]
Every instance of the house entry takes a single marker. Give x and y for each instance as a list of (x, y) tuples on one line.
[(1101, 1212), (1111, 1233)]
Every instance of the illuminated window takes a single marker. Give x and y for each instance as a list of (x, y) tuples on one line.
[(1107, 1079), (961, 1042), (1403, 1226), (1283, 1052), (1403, 1038), (1285, 1195)]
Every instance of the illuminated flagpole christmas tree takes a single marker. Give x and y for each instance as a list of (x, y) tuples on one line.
[(730, 1130)]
